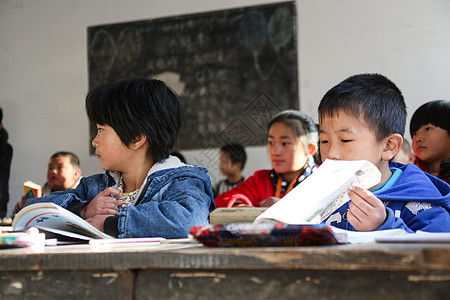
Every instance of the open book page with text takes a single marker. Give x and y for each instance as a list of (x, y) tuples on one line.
[(53, 218), (322, 192)]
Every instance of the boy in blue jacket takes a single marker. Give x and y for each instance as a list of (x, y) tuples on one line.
[(364, 117), (145, 192)]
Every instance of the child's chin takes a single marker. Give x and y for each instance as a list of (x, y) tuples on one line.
[(279, 170)]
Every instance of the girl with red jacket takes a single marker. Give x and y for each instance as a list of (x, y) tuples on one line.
[(291, 143)]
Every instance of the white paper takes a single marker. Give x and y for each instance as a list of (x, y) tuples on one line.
[(358, 237), (418, 237), (324, 191)]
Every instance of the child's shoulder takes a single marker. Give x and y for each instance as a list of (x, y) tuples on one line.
[(190, 171), (415, 183), (102, 178), (262, 173), (410, 173)]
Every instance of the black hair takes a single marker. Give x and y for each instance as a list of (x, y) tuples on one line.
[(435, 112), (236, 152), (302, 125), (74, 160), (1, 115), (136, 107), (373, 97)]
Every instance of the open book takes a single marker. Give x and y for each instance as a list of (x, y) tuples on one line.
[(56, 221), (324, 191)]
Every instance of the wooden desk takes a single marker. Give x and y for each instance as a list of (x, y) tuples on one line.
[(191, 271)]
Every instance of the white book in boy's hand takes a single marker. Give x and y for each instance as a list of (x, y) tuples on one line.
[(324, 191)]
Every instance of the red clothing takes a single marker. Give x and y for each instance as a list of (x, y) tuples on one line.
[(442, 173), (256, 188)]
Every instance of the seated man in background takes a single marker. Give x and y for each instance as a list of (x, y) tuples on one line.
[(63, 173)]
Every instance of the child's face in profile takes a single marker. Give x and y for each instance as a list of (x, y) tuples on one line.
[(431, 143), (285, 149), (343, 137), (112, 154)]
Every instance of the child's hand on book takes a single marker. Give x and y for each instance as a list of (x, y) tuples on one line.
[(366, 212), (98, 221), (105, 203)]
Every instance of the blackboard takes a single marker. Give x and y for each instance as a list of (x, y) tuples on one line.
[(233, 69)]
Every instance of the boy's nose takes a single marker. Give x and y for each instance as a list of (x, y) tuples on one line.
[(333, 153)]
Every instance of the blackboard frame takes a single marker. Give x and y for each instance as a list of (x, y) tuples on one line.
[(233, 69)]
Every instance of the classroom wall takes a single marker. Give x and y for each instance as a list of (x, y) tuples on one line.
[(43, 63)]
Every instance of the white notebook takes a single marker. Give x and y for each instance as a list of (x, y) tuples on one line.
[(319, 195)]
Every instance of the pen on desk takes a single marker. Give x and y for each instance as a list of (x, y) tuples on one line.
[(123, 241)]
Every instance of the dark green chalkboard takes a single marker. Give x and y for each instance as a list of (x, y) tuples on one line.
[(233, 69)]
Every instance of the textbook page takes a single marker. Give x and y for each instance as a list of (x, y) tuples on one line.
[(54, 218), (322, 192)]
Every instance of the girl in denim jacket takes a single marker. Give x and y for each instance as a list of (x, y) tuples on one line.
[(145, 192)]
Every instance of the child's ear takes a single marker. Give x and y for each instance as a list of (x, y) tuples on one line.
[(77, 173), (312, 149), (138, 142), (393, 145)]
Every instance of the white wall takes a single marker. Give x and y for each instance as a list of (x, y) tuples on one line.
[(43, 63)]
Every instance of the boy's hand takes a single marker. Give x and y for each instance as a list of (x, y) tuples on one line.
[(103, 204), (269, 201), (366, 212)]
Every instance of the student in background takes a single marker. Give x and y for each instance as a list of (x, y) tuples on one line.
[(232, 162), (430, 132), (63, 173), (145, 192), (405, 155), (291, 144), (364, 117), (6, 152), (317, 158)]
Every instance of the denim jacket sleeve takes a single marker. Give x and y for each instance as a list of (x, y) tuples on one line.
[(88, 188), (171, 205), (175, 200)]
